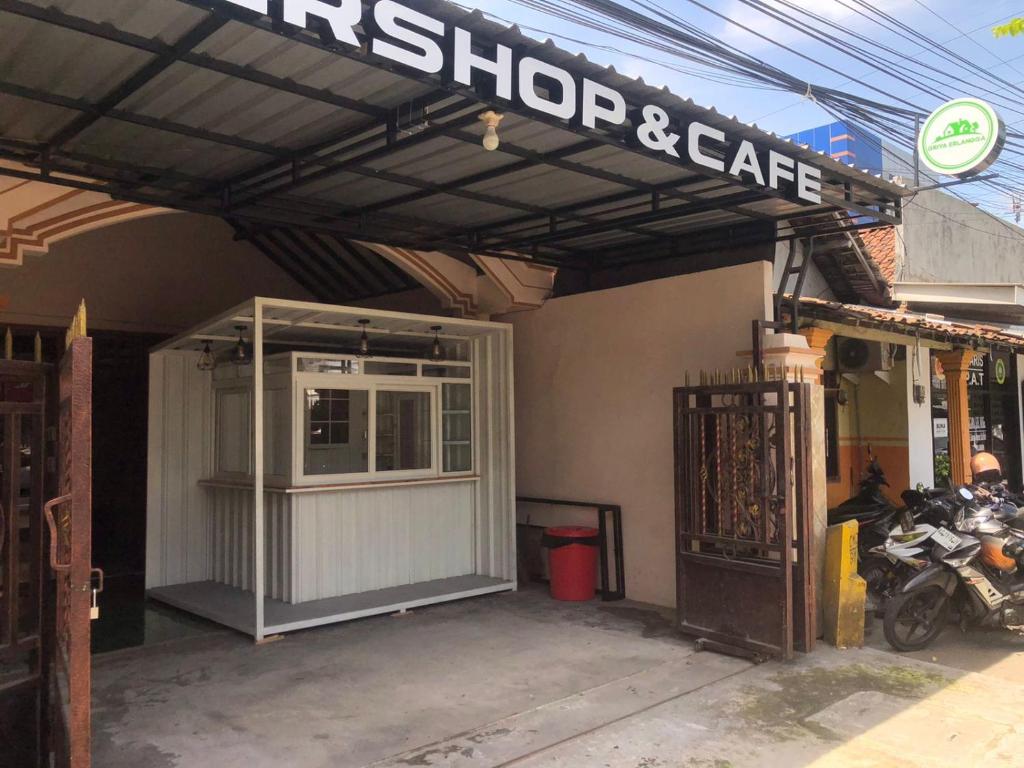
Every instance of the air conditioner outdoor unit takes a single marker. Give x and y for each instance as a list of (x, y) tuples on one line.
[(859, 356)]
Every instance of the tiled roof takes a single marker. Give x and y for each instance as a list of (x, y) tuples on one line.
[(910, 323), (880, 247)]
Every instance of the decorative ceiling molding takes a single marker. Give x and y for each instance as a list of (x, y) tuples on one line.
[(522, 284), (506, 285), (451, 281), (35, 215)]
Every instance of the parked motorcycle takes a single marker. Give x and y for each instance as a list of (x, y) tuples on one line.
[(869, 504), (1007, 506), (875, 515), (971, 561)]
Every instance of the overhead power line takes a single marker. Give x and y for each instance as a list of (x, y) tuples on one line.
[(930, 70)]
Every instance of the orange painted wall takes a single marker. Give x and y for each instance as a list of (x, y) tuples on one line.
[(875, 416), (894, 460)]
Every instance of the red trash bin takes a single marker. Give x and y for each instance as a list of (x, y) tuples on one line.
[(572, 561)]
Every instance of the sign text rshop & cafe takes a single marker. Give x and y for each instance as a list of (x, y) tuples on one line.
[(426, 44)]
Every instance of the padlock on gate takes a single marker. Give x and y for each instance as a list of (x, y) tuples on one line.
[(94, 606)]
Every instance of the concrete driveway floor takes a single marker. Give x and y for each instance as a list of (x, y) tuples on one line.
[(521, 680)]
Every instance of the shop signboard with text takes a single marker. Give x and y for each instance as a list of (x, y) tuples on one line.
[(531, 86), (962, 137)]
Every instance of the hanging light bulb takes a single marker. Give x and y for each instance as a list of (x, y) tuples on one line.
[(240, 355), (436, 351), (364, 341), (491, 119), (206, 361)]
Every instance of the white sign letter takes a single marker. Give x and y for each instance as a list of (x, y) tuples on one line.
[(779, 167), (697, 154), (613, 111), (808, 183), (428, 57), (746, 160), (529, 68), (466, 61), (341, 18)]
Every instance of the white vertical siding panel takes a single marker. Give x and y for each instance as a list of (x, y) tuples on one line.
[(174, 463), (155, 516), (178, 524), (223, 550), (286, 544), (197, 555), (495, 526), (231, 537), (341, 543), (305, 542), (359, 540)]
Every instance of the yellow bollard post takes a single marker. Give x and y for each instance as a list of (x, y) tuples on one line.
[(845, 591)]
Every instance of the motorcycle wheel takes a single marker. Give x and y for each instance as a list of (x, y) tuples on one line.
[(877, 572), (880, 576), (914, 619)]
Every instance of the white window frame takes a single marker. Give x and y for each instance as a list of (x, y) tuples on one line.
[(296, 383), (371, 385), (231, 386)]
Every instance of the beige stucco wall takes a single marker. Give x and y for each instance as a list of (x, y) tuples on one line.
[(162, 274), (594, 378)]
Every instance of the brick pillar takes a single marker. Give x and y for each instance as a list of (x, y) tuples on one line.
[(954, 367), (801, 356)]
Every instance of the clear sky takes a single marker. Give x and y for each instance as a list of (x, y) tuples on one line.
[(965, 27)]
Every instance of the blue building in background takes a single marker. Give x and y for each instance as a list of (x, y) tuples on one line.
[(847, 144)]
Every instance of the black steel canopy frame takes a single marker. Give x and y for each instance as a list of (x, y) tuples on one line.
[(639, 220)]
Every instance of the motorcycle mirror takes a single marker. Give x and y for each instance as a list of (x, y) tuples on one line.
[(906, 521), (965, 494)]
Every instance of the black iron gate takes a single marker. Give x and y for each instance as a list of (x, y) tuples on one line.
[(22, 664), (69, 518), (47, 590), (743, 532)]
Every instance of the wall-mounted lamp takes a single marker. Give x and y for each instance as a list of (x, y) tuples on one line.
[(364, 341), (436, 350), (206, 361), (491, 119), (240, 355)]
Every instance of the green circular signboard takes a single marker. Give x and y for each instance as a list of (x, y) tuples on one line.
[(1000, 371), (961, 137)]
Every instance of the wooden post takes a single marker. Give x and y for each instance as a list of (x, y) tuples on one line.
[(955, 364)]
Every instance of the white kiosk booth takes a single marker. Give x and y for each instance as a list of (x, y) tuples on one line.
[(311, 463)]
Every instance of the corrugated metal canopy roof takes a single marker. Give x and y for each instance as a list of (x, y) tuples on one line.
[(224, 112)]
